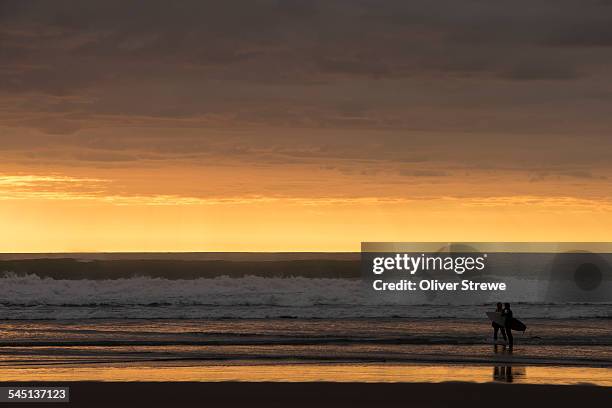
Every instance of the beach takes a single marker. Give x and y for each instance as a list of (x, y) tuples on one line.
[(555, 342), (308, 334), (303, 350)]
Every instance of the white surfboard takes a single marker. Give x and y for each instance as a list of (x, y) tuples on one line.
[(496, 317)]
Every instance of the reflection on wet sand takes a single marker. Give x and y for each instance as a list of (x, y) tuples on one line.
[(309, 372), (508, 373)]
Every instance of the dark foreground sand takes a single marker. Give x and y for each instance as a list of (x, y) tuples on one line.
[(269, 395)]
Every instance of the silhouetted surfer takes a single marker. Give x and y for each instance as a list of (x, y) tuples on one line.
[(497, 327), (507, 314)]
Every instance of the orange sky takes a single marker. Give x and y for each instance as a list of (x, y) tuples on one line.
[(263, 197), (307, 126), (91, 225), (47, 213)]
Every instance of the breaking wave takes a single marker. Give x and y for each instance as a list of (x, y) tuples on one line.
[(32, 297)]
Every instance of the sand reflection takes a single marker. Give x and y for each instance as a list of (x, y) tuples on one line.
[(311, 372)]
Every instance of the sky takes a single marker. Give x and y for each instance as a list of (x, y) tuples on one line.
[(302, 125)]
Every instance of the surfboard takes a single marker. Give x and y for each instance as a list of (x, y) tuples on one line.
[(496, 317), (515, 325)]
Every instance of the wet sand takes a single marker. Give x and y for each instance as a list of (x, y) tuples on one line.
[(283, 372)]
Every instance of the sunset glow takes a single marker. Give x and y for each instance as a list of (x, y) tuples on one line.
[(117, 137)]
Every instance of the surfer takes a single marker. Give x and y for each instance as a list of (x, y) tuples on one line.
[(498, 327), (507, 314)]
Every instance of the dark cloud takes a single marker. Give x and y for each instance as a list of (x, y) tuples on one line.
[(594, 33), (543, 70), (308, 81), (69, 44)]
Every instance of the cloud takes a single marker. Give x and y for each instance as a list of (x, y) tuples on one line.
[(19, 186), (366, 88), (548, 70), (594, 33), (581, 174), (424, 173), (65, 47)]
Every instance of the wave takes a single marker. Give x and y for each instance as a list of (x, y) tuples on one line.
[(33, 297), (235, 266), (295, 341), (30, 290)]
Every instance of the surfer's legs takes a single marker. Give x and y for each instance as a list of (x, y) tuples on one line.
[(510, 338), (497, 329)]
